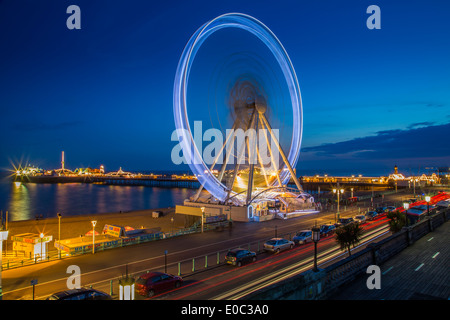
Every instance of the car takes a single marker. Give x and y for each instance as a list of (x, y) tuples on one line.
[(390, 208), (80, 294), (278, 244), (240, 256), (360, 218), (344, 221), (302, 237), (371, 215), (152, 283), (327, 229), (380, 210)]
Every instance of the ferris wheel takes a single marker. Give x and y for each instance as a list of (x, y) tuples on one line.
[(249, 108)]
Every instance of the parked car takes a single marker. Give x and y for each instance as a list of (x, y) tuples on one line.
[(380, 209), (152, 283), (327, 229), (360, 218), (344, 221), (302, 237), (80, 294), (278, 244), (371, 215), (240, 256), (390, 209)]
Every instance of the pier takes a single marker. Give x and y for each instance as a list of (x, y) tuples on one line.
[(313, 185)]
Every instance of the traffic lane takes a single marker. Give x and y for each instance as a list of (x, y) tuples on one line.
[(205, 285), (214, 282)]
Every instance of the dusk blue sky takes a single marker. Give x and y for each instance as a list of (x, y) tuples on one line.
[(372, 99)]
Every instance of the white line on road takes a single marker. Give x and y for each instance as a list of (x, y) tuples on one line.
[(387, 270), (419, 267), (435, 255)]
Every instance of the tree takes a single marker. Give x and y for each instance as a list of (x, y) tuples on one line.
[(397, 220), (349, 235)]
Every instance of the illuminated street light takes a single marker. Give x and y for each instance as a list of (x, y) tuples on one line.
[(315, 238), (203, 212), (338, 192), (59, 234), (427, 199), (406, 207), (41, 235), (126, 287), (94, 222), (3, 237)]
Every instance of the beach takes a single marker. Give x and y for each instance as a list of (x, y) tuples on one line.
[(74, 226)]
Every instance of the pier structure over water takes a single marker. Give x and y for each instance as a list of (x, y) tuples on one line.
[(315, 184)]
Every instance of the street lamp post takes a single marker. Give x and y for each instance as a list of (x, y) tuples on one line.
[(59, 234), (315, 238), (338, 200), (165, 260), (427, 199), (41, 236), (203, 213), (3, 237), (406, 207), (94, 222)]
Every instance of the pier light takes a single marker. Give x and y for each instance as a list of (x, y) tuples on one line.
[(427, 199)]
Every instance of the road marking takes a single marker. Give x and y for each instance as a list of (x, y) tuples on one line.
[(387, 271), (435, 255), (430, 239), (419, 267)]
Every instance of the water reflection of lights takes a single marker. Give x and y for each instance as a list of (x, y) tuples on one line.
[(19, 206)]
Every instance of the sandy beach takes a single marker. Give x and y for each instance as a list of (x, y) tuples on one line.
[(74, 226)]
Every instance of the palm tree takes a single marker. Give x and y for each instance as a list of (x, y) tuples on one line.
[(397, 220), (349, 235)]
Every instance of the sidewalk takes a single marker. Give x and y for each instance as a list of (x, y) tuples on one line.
[(419, 272)]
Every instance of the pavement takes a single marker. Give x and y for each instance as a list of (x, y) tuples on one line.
[(419, 272)]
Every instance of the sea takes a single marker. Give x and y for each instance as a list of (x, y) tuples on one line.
[(26, 201)]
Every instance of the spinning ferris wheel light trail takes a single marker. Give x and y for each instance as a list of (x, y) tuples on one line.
[(244, 184)]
